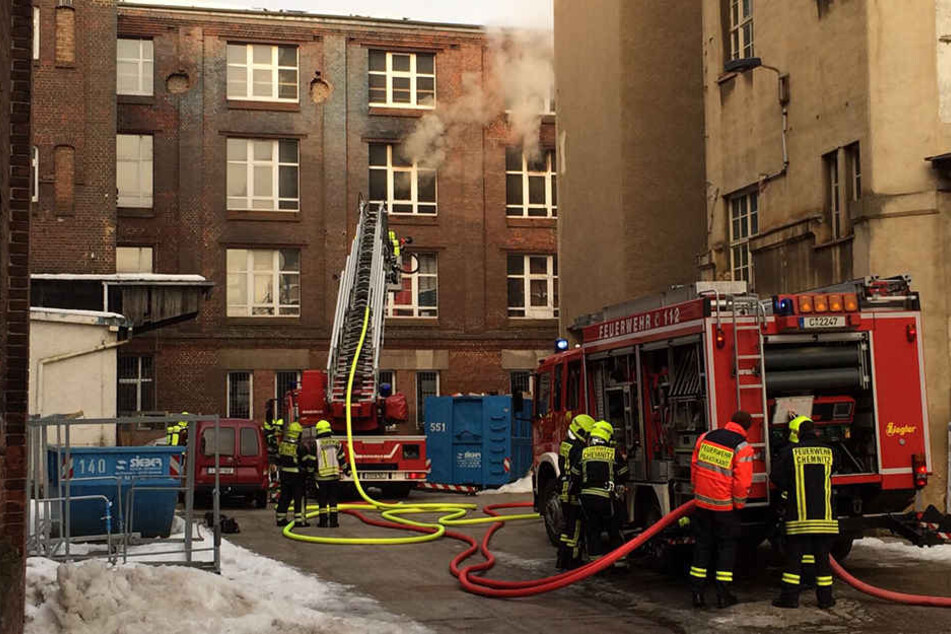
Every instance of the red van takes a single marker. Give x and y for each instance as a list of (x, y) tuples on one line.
[(242, 459)]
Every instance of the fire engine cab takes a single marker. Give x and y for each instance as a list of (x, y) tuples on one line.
[(665, 369)]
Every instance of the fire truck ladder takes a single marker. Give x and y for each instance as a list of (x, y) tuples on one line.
[(371, 270), (747, 364)]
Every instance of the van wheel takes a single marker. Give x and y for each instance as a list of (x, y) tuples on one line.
[(260, 500), (551, 510)]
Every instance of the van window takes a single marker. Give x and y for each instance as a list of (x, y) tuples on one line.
[(225, 444), (544, 391), (573, 396), (557, 389), (249, 441)]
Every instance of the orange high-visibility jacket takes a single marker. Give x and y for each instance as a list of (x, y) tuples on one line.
[(722, 469)]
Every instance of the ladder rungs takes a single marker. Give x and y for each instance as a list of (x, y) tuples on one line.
[(752, 386), (742, 357)]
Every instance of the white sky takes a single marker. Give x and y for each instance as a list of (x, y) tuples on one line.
[(509, 13)]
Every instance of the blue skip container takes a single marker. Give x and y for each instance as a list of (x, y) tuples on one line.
[(482, 441), (134, 473)]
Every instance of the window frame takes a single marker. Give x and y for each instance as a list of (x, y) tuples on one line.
[(414, 170), (139, 380), (249, 273), (141, 251), (853, 155), (35, 174), (741, 39), (146, 85), (414, 305), (412, 74), (228, 408), (274, 65), (250, 164), (251, 433), (513, 381), (380, 381), (833, 191), (36, 33), (749, 223), (209, 449), (139, 199), (550, 176), (421, 402), (551, 310)]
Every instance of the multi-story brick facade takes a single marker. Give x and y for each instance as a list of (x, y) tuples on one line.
[(15, 70), (245, 141)]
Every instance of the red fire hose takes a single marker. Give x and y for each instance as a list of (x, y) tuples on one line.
[(888, 595)]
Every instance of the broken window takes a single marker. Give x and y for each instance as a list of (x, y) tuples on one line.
[(530, 185), (403, 185), (419, 295)]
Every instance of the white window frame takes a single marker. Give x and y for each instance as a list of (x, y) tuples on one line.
[(274, 200), (146, 253), (531, 380), (421, 403), (412, 74), (743, 223), (834, 191), (250, 392), (550, 205), (249, 273), (550, 311), (145, 63), (380, 382), (35, 174), (854, 155), (141, 197), (414, 171), (250, 66), (36, 32), (418, 312), (139, 380), (741, 29)]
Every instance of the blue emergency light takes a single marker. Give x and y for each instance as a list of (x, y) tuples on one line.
[(561, 344)]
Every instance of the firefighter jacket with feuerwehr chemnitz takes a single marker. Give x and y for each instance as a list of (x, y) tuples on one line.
[(722, 469), (569, 454), (330, 458), (288, 459), (600, 469), (804, 472)]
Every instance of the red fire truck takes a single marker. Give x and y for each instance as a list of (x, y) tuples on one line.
[(665, 369)]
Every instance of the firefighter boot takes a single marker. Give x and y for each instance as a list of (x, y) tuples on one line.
[(725, 598), (281, 522), (333, 519), (699, 601), (824, 596), (322, 522), (300, 522)]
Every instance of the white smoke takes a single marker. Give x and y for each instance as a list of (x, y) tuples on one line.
[(520, 80)]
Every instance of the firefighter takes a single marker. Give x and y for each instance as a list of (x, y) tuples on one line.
[(569, 453), (599, 470), (292, 480), (176, 433), (721, 473), (808, 562), (330, 463), (803, 471)]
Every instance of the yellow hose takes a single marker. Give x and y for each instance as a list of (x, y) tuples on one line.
[(451, 514)]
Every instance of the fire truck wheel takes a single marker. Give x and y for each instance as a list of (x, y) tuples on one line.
[(397, 491), (550, 507), (660, 556)]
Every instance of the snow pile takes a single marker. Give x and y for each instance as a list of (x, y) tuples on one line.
[(523, 485), (253, 595), (903, 549)]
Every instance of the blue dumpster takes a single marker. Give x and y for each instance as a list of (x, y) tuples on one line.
[(478, 440), (129, 477)]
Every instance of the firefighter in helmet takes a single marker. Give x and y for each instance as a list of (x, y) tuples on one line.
[(330, 464), (808, 574), (600, 469), (722, 473), (176, 433), (569, 454), (292, 480), (803, 472)]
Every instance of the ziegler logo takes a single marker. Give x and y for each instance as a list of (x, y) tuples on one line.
[(145, 463), (899, 430)]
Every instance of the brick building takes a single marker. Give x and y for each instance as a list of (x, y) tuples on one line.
[(236, 145), (15, 70)]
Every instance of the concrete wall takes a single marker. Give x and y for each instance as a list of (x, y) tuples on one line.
[(84, 383), (630, 119)]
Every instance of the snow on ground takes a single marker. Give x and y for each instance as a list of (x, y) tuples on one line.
[(253, 595), (904, 549), (523, 485)]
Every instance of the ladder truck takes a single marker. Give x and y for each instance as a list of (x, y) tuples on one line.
[(395, 463)]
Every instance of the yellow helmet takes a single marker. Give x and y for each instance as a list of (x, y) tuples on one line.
[(323, 427), (601, 432), (606, 426), (794, 427), (581, 425)]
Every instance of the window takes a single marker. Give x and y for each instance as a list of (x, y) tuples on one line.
[(544, 394), (530, 185), (133, 259), (136, 389), (64, 167), (224, 444), (419, 295), (854, 158), (533, 286), (520, 381), (134, 62), (284, 381), (36, 32), (405, 187), (263, 283), (427, 384), (389, 377), (744, 222), (249, 442), (542, 103), (263, 175), (134, 170), (239, 396), (261, 72), (35, 175), (557, 388), (403, 80), (741, 29), (65, 19), (833, 189)]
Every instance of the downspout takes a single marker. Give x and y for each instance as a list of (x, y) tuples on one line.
[(783, 94), (42, 363)]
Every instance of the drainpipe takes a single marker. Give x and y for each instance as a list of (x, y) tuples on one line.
[(783, 94), (42, 363)]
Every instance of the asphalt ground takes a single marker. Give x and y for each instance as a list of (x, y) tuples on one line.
[(414, 580)]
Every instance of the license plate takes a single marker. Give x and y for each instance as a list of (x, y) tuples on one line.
[(813, 323), (370, 475), (221, 471)]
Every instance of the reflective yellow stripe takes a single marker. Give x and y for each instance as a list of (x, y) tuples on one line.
[(808, 559), (598, 492), (790, 578), (727, 504), (800, 490), (724, 576), (698, 572), (828, 480), (824, 581)]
